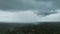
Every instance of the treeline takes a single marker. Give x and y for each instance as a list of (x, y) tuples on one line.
[(42, 28)]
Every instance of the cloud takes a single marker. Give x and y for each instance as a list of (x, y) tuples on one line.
[(29, 10), (20, 16), (51, 18), (43, 6), (28, 16), (25, 4)]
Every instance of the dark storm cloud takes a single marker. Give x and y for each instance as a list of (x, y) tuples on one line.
[(21, 4), (44, 6), (7, 4), (56, 2)]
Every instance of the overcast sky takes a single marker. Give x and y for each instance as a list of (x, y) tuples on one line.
[(29, 10)]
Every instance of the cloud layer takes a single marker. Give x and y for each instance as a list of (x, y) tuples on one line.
[(28, 4), (29, 10), (27, 16), (24, 4), (43, 6), (51, 18)]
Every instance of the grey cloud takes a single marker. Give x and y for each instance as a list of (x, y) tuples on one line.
[(56, 2), (44, 6), (7, 4), (51, 18), (28, 16), (46, 12), (22, 5)]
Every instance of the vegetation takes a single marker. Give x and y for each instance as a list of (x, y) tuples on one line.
[(42, 28)]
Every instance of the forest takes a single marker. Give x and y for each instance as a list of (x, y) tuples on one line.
[(40, 28)]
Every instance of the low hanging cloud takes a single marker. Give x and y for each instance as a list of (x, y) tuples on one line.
[(52, 17), (20, 16), (28, 16)]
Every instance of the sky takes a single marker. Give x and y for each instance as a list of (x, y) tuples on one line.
[(29, 10)]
